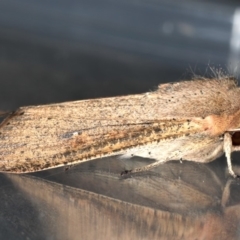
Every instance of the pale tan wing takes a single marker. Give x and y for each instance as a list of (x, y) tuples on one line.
[(36, 138), (40, 137)]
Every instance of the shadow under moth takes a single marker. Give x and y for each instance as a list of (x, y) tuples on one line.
[(196, 120)]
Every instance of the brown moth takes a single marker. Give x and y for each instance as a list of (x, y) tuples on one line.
[(191, 120)]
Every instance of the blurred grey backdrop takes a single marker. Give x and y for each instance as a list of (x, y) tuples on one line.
[(56, 50)]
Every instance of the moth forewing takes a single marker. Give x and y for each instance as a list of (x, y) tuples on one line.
[(182, 120)]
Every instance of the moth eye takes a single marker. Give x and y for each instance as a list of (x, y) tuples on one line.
[(236, 139)]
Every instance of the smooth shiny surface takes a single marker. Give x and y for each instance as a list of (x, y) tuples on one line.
[(92, 201)]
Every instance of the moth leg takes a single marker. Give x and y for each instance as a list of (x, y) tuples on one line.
[(142, 169), (228, 148)]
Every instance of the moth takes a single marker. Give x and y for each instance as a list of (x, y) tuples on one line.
[(196, 120)]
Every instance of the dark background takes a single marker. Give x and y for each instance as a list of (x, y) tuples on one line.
[(53, 51)]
